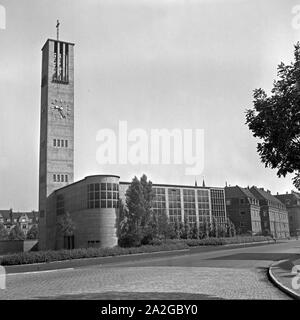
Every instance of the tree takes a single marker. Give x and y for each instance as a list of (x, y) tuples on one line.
[(206, 227), (16, 233), (194, 231), (66, 225), (33, 233), (231, 232), (185, 229), (139, 225), (275, 120), (120, 220), (166, 229), (214, 232), (3, 232), (177, 229)]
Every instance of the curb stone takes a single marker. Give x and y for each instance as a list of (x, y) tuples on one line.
[(278, 284)]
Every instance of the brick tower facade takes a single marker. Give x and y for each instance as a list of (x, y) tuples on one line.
[(57, 124)]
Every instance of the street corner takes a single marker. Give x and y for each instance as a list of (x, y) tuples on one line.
[(285, 274)]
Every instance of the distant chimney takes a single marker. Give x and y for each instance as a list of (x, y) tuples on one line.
[(287, 192), (269, 191)]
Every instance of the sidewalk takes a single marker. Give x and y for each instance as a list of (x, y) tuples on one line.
[(283, 275)]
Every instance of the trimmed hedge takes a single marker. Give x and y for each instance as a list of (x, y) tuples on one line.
[(158, 245), (60, 255), (223, 241)]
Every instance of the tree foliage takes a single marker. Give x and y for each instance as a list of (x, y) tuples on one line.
[(16, 233), (33, 233), (3, 232), (275, 120), (66, 225), (138, 225)]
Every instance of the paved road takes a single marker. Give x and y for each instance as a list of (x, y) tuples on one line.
[(238, 273)]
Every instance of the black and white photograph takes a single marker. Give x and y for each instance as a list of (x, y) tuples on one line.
[(149, 151)]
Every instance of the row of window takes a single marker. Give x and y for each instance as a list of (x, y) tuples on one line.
[(103, 187), (103, 204), (8, 220), (103, 195), (59, 143), (218, 205), (60, 204), (60, 178), (159, 201)]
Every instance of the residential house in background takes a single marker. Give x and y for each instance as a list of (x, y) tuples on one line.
[(292, 203), (273, 213), (243, 210), (25, 219)]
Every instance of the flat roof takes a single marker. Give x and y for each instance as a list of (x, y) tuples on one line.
[(175, 186), (95, 175)]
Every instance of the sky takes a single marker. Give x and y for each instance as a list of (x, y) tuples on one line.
[(153, 63)]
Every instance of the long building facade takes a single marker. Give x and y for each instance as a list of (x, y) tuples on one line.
[(292, 202), (196, 204), (273, 213), (93, 205)]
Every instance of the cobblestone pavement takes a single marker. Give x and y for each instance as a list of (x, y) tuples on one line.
[(224, 283), (227, 274)]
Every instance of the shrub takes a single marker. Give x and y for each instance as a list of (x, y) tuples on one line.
[(49, 256)]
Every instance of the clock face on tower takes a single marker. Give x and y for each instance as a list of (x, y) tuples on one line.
[(60, 109)]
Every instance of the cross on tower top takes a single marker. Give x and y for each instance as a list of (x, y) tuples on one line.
[(57, 28)]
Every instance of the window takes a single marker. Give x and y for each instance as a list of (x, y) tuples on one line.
[(60, 204), (66, 177), (61, 63), (69, 242), (174, 205), (60, 143), (159, 201), (93, 243), (62, 178), (242, 212), (218, 205), (24, 226), (54, 177), (58, 178), (103, 195)]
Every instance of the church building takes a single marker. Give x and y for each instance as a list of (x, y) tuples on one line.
[(93, 202)]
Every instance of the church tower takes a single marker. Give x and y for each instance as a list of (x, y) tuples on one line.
[(57, 124)]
